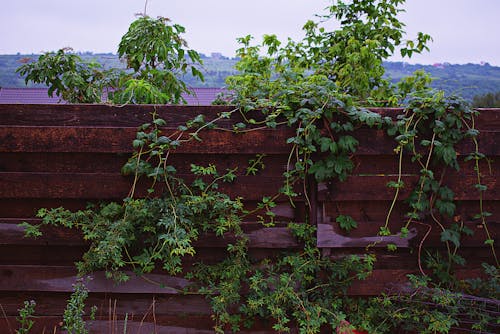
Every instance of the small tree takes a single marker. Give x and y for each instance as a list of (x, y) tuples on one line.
[(155, 56)]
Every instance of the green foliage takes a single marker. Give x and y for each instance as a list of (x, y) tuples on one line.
[(159, 228), (437, 310), (67, 76), (468, 80), (73, 321), (25, 317), (352, 55), (156, 58), (346, 223), (300, 288), (156, 53)]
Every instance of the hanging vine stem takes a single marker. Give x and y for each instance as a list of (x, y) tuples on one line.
[(384, 231), (420, 245), (476, 156), (422, 178)]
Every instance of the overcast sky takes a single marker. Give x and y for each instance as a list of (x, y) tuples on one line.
[(463, 30)]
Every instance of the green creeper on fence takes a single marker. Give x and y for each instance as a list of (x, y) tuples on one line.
[(155, 55)]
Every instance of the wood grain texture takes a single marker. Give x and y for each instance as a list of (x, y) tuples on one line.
[(119, 140), (374, 187), (135, 115), (332, 236), (259, 237), (113, 186)]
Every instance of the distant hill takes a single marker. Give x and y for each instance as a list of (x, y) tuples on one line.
[(466, 80)]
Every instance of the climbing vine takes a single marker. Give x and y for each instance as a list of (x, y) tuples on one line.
[(322, 88)]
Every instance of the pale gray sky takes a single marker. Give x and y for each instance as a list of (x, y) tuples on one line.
[(463, 30)]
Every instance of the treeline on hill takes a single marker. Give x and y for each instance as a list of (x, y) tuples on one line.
[(469, 80)]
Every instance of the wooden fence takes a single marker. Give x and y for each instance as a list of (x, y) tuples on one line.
[(70, 155)]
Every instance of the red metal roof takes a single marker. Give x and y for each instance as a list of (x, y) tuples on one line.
[(200, 97)]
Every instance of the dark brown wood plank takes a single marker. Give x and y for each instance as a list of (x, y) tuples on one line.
[(327, 237), (46, 324), (332, 236), (393, 281), (260, 237), (62, 162), (372, 187), (28, 207), (61, 278), (376, 142), (388, 165), (102, 115), (136, 305), (41, 255), (135, 115), (274, 165), (376, 210), (97, 186), (407, 258), (119, 140)]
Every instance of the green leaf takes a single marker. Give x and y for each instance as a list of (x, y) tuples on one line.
[(392, 247), (346, 223), (451, 236), (481, 187), (138, 143), (30, 230), (159, 122), (384, 231), (446, 208)]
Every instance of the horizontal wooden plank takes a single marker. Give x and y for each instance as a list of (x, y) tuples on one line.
[(62, 162), (259, 237), (373, 187), (157, 324), (330, 235), (102, 115), (407, 258), (389, 165), (487, 119), (135, 305), (107, 186), (134, 115), (327, 237), (376, 142), (24, 208), (43, 162), (28, 207), (61, 279), (41, 255), (393, 281), (376, 210), (116, 186), (119, 140), (46, 324)]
